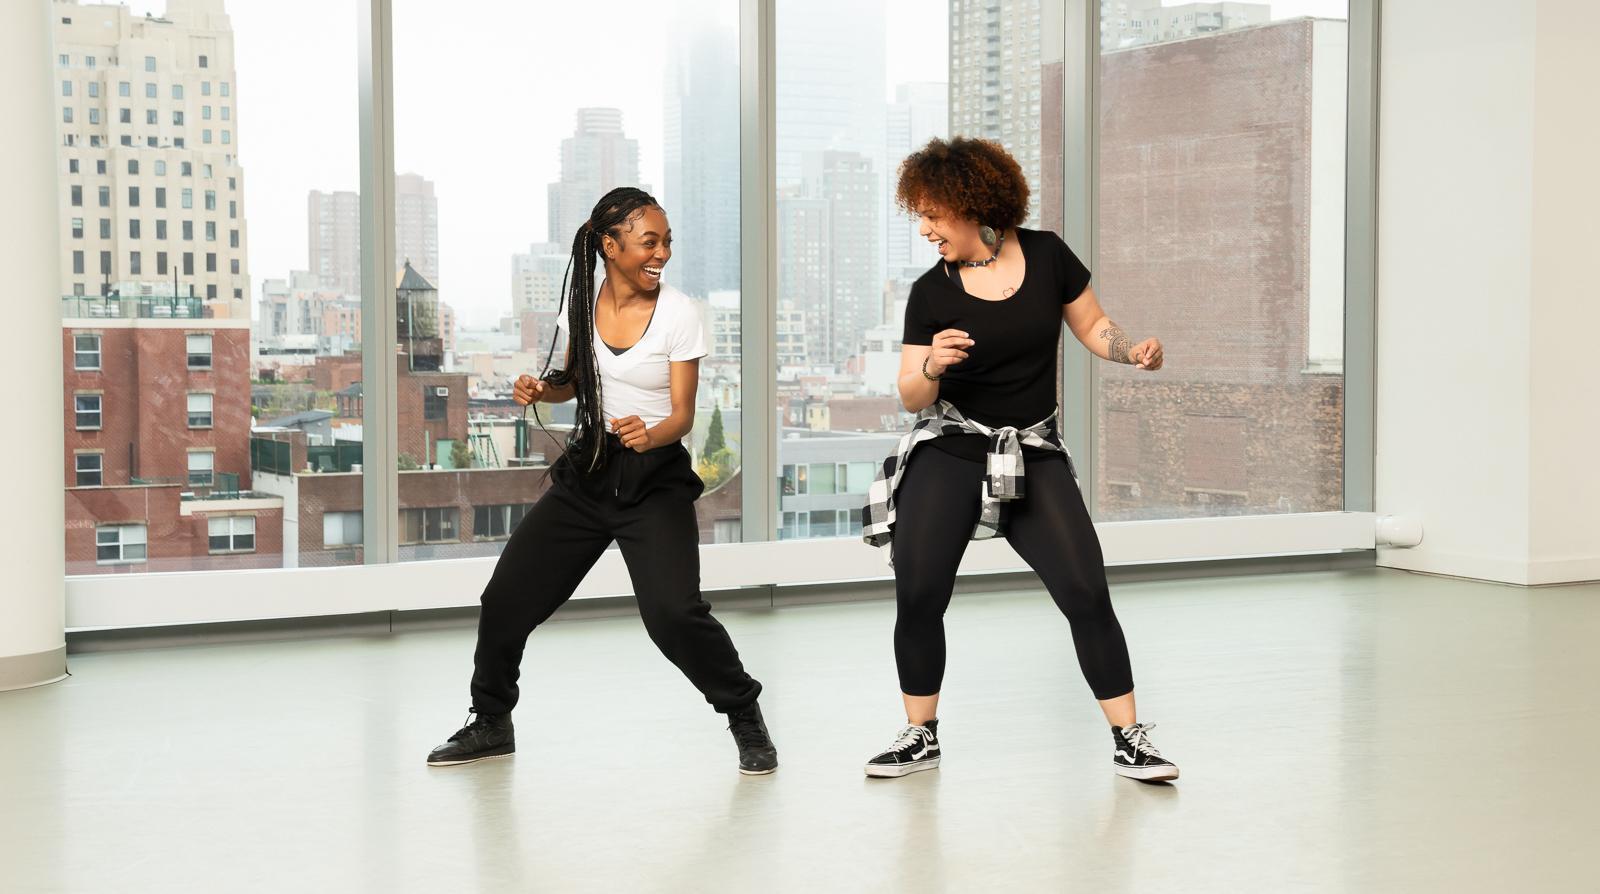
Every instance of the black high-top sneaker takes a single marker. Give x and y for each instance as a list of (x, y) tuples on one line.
[(757, 755), (1136, 758), (917, 748), (488, 735)]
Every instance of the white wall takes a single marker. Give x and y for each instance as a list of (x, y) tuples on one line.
[(1565, 393), (1480, 426), (32, 550)]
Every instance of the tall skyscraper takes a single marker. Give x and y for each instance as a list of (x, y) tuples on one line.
[(701, 193), (830, 82), (151, 186), (333, 239), (831, 145), (333, 233), (597, 158), (416, 225), (920, 112), (849, 185), (996, 81), (804, 277)]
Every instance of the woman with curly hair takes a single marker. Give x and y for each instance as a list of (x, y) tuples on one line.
[(982, 333)]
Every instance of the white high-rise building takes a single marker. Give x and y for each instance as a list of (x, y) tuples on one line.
[(152, 191), (597, 158)]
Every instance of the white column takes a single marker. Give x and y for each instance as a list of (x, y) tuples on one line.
[(32, 549), (1487, 389)]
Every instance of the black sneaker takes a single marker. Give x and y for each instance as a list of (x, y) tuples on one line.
[(1136, 758), (757, 755), (916, 749), (488, 735)]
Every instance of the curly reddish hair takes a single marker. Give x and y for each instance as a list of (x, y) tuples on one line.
[(972, 179)]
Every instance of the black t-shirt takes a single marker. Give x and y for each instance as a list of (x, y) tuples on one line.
[(1009, 376)]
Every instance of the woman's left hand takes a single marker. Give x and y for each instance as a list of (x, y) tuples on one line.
[(633, 433), (1147, 354)]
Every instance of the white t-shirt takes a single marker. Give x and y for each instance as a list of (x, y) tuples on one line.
[(638, 382)]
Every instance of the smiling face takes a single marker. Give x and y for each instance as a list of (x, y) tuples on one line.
[(637, 250), (956, 238)]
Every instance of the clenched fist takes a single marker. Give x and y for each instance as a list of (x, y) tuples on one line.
[(528, 390)]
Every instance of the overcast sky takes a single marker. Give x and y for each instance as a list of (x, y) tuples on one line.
[(484, 94)]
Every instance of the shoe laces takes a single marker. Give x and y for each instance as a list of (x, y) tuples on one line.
[(909, 737), (747, 732), (1138, 737), (473, 722)]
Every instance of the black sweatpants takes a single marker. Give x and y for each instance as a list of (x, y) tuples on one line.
[(645, 502), (937, 506)]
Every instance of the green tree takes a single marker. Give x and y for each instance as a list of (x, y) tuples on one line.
[(716, 441), (461, 455), (407, 464)]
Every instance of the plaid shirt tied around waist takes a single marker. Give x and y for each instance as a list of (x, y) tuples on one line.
[(1004, 482)]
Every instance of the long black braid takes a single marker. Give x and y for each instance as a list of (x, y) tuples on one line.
[(613, 214)]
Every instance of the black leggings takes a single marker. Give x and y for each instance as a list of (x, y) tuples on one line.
[(646, 503), (936, 508)]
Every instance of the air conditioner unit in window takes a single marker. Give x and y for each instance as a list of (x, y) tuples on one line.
[(441, 391)]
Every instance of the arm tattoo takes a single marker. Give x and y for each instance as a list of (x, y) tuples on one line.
[(1120, 343)]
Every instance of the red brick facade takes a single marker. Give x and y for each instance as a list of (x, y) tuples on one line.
[(1205, 241), (175, 541), (144, 381)]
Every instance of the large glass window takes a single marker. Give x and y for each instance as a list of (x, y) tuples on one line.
[(274, 358), (667, 122), (852, 103), (1219, 227), (1221, 231)]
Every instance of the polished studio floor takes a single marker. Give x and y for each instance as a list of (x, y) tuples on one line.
[(1340, 731)]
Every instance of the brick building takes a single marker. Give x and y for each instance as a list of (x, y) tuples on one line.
[(1221, 231), (157, 420)]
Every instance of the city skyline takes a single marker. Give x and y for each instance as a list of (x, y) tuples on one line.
[(482, 223)]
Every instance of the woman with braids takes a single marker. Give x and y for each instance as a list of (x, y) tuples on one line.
[(634, 349), (978, 366)]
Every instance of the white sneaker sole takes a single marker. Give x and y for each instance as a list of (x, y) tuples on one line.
[(895, 771), (1147, 774), (745, 772), (470, 760)]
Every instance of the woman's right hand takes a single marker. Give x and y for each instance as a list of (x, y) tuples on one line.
[(528, 390), (948, 349)]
